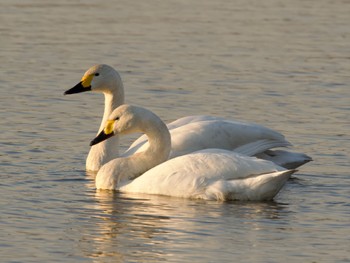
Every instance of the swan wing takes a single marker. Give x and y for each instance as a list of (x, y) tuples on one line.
[(286, 159), (190, 119), (209, 174), (216, 133), (138, 143)]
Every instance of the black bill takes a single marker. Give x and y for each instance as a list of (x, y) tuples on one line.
[(101, 137), (77, 89)]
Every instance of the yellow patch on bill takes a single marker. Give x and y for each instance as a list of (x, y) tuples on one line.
[(109, 127), (86, 80)]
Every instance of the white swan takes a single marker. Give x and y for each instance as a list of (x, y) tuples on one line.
[(211, 174), (188, 134)]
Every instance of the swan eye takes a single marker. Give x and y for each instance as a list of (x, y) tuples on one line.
[(116, 119), (97, 74)]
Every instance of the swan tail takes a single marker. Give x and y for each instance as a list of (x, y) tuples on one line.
[(261, 187), (260, 146), (286, 159)]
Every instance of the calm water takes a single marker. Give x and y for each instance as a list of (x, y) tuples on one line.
[(283, 64)]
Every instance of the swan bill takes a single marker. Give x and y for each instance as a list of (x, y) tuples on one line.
[(101, 137), (77, 89)]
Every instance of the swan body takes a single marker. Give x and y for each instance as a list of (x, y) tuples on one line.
[(211, 174), (188, 134), (222, 134)]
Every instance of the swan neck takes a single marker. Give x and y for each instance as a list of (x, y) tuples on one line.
[(112, 101), (158, 150), (159, 141)]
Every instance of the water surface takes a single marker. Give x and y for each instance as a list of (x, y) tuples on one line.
[(281, 64)]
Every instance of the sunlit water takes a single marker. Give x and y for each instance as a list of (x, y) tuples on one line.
[(283, 64)]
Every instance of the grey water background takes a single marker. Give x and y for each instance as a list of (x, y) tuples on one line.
[(283, 64)]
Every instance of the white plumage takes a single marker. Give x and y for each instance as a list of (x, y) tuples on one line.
[(211, 174), (188, 134)]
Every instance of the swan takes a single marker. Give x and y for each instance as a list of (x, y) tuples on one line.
[(188, 134), (210, 174)]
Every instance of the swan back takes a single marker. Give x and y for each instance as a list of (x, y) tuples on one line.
[(212, 174)]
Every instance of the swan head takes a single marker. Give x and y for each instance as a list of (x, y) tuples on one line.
[(123, 120), (99, 78)]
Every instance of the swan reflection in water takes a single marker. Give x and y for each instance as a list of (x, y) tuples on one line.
[(141, 227)]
